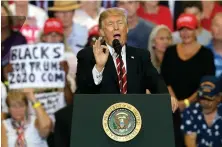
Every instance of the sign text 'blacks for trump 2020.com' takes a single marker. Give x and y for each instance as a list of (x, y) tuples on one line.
[(37, 66)]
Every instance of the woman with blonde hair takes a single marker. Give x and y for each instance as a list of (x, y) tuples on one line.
[(160, 39), (21, 129)]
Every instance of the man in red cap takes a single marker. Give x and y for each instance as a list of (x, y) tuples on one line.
[(53, 31)]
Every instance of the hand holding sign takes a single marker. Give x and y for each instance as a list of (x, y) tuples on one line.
[(29, 93), (64, 65)]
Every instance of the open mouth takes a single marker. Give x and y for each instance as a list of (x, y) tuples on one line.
[(116, 36)]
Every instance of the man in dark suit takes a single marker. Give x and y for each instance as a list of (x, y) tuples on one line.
[(98, 67)]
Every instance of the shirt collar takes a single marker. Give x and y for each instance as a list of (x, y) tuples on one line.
[(112, 51)]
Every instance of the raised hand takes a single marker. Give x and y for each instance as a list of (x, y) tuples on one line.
[(29, 93), (101, 54), (64, 65)]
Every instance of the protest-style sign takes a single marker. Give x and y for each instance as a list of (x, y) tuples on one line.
[(51, 102), (37, 66)]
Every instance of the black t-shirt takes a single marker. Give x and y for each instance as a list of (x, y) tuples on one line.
[(184, 76)]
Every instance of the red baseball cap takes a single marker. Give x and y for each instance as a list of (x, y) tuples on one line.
[(53, 25), (187, 20), (94, 31)]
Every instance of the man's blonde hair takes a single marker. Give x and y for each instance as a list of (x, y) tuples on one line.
[(15, 95), (112, 12)]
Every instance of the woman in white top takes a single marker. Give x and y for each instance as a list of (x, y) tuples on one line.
[(21, 130)]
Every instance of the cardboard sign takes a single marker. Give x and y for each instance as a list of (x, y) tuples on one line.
[(37, 66), (51, 102)]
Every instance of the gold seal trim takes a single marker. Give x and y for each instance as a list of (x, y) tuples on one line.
[(116, 107)]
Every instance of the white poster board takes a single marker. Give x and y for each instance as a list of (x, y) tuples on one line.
[(51, 101), (37, 66)]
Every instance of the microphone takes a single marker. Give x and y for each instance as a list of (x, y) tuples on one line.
[(117, 46)]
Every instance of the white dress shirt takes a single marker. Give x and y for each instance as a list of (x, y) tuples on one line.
[(97, 76)]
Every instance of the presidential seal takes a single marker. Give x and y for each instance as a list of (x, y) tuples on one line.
[(122, 122)]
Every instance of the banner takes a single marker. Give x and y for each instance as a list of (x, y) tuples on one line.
[(37, 66), (51, 102)]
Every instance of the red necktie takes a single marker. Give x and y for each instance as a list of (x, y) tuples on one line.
[(123, 77)]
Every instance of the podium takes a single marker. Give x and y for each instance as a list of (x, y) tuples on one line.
[(99, 121)]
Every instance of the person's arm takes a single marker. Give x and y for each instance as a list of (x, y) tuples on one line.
[(4, 137), (172, 93), (67, 89), (190, 140), (97, 76), (68, 93), (43, 123)]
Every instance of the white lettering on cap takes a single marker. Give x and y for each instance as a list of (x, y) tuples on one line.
[(185, 19), (53, 24)]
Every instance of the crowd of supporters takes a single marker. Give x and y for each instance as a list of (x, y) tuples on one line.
[(183, 37)]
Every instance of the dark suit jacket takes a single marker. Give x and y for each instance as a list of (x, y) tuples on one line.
[(141, 75)]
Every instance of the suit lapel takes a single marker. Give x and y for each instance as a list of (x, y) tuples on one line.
[(131, 67)]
